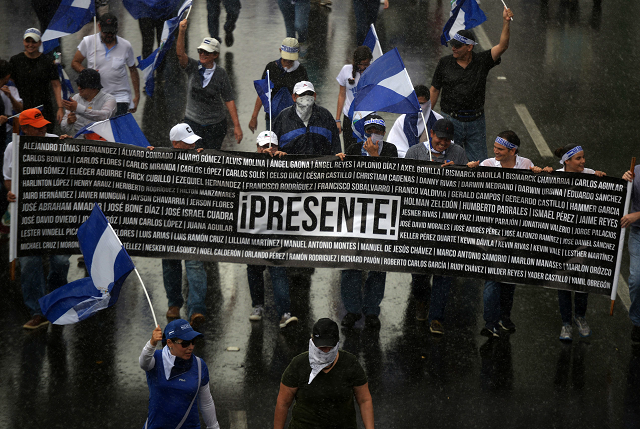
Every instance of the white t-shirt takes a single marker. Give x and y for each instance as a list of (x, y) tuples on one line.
[(112, 65), (521, 163), (8, 158), (343, 80), (8, 108)]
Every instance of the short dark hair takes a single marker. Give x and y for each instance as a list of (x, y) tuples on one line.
[(511, 137), (422, 91), (5, 69), (559, 152), (468, 34)]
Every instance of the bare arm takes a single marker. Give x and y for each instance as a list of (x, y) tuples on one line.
[(253, 123), (502, 46), (135, 81), (433, 96), (363, 398), (342, 95), (285, 399), (237, 131), (183, 59), (57, 92), (76, 63)]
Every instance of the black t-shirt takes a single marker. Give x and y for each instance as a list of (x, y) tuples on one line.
[(281, 78), (328, 401), (33, 77), (463, 88)]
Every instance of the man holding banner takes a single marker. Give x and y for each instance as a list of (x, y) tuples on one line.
[(462, 78), (632, 221)]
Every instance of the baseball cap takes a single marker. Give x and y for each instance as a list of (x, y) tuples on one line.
[(181, 329), (325, 333), (289, 49), (183, 133), (443, 128), (267, 138), (34, 33), (303, 86), (375, 120), (210, 44), (109, 23), (89, 78), (33, 117)]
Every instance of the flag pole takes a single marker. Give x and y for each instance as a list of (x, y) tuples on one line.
[(505, 6), (189, 11), (426, 131), (153, 313), (18, 114), (269, 93), (627, 202), (95, 45)]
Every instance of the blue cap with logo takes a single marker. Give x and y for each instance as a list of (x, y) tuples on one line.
[(181, 329)]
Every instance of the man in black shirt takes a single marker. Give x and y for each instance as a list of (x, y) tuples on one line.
[(462, 78)]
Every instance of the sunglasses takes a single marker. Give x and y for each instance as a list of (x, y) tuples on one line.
[(456, 44), (183, 343), (202, 51)]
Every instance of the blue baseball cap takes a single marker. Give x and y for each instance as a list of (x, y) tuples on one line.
[(181, 329)]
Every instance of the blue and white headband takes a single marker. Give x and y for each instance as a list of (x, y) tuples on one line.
[(374, 121), (289, 49), (570, 153), (464, 40), (505, 143)]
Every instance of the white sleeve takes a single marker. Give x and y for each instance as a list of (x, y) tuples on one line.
[(344, 75), (105, 112), (207, 407), (82, 47), (147, 361), (489, 162), (130, 59), (6, 168)]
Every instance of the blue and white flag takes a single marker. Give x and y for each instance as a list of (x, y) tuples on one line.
[(153, 61), (279, 102), (65, 83), (384, 86), (465, 14), (108, 264), (121, 129), (154, 9), (407, 129), (373, 43), (70, 17)]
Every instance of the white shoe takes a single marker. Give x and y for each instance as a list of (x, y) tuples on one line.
[(565, 333), (286, 319), (583, 326), (256, 313)]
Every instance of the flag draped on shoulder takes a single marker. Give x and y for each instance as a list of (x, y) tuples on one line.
[(384, 86), (121, 129), (108, 264), (407, 129), (373, 43), (465, 14), (70, 17), (154, 9), (150, 64)]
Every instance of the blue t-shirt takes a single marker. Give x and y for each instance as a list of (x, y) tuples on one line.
[(170, 399)]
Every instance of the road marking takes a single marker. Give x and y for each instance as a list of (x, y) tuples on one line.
[(483, 39), (238, 419), (534, 132), (623, 292)]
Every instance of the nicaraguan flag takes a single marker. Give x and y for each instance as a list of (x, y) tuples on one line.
[(121, 129), (108, 264), (65, 83), (384, 86), (465, 14), (154, 9), (373, 43), (263, 88), (153, 61), (279, 102), (407, 129), (70, 17)]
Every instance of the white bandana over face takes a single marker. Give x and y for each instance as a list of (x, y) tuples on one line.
[(319, 359), (304, 106)]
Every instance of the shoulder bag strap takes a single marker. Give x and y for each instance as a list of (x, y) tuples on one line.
[(196, 395)]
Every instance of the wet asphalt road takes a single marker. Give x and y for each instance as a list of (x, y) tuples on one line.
[(571, 63)]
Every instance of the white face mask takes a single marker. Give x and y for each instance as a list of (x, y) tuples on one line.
[(304, 105), (376, 138), (319, 359), (425, 106)]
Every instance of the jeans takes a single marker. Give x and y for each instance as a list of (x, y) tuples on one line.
[(280, 284), (366, 12), (439, 293), (472, 136), (151, 30), (212, 135), (498, 301), (355, 299), (634, 274), (296, 17), (213, 16), (579, 301), (32, 279), (197, 277)]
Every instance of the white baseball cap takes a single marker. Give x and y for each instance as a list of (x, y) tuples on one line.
[(34, 33), (267, 138), (210, 44), (303, 86), (183, 133)]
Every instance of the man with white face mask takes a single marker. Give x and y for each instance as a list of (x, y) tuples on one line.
[(305, 127)]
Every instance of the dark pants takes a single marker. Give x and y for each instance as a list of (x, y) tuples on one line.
[(498, 301), (122, 109), (212, 135), (279, 281), (347, 134), (366, 12), (213, 11), (149, 28), (439, 293), (579, 301)]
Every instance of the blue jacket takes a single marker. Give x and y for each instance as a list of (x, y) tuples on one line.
[(320, 137)]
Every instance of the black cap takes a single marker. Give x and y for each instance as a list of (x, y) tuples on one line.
[(325, 333), (443, 128), (89, 78), (108, 23)]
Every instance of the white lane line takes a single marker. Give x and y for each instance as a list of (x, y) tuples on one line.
[(534, 132), (483, 39), (238, 419), (623, 292)]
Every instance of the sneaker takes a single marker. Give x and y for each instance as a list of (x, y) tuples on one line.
[(173, 312), (372, 321), (583, 326), (421, 311), (565, 333), (350, 319), (256, 313), (507, 325), (197, 320), (36, 322), (490, 331), (286, 319), (436, 327), (635, 334), (228, 38)]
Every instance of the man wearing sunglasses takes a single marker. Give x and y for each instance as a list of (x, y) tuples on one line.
[(462, 78), (112, 56), (208, 92)]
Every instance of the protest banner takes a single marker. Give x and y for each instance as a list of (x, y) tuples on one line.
[(558, 230)]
